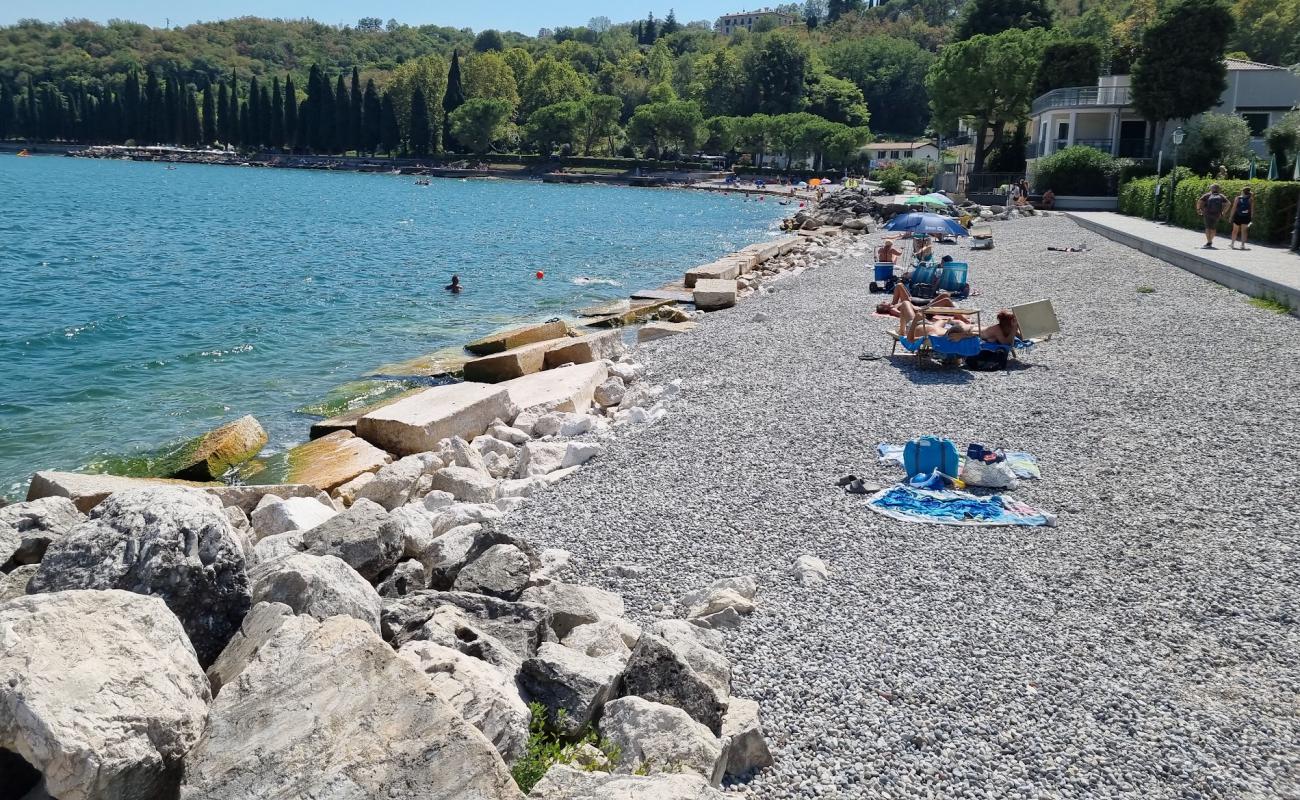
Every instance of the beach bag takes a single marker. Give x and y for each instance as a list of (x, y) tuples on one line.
[(997, 475), (988, 361), (929, 453)]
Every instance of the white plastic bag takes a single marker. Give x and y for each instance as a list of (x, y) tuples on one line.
[(990, 476)]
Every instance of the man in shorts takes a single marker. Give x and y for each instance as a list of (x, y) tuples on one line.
[(1211, 206)]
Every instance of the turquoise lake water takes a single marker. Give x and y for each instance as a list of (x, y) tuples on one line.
[(140, 306)]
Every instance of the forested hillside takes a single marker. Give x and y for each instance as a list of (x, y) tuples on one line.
[(823, 84)]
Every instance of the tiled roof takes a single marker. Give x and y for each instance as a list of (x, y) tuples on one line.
[(1241, 65)]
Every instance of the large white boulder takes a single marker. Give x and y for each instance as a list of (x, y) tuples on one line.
[(26, 529), (417, 423), (562, 679), (364, 536), (660, 738), (562, 389), (328, 710), (318, 586), (484, 695), (563, 782), (273, 515), (466, 483), (100, 691), (572, 604), (176, 544)]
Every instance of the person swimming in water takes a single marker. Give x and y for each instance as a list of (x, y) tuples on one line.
[(454, 286)]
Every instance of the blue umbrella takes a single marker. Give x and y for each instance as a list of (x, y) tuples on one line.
[(936, 224), (1251, 177), (1272, 168)]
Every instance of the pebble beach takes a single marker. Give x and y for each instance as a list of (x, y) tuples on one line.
[(1146, 646)]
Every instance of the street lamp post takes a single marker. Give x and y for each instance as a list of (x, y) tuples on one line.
[(1178, 136)]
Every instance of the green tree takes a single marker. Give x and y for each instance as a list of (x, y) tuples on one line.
[(488, 76), (489, 41), (987, 79), (678, 125), (1216, 140), (453, 97), (290, 112), (838, 8), (717, 77), (390, 133), (429, 73), (277, 114), (837, 100), (371, 119), (891, 74), (720, 134), (355, 111), (342, 117), (550, 82), (520, 63), (553, 125), (223, 114), (480, 122), (254, 139), (671, 25), (1180, 71), (1075, 62), (600, 114), (1269, 30), (990, 17), (777, 71), (209, 116), (421, 135), (755, 135)]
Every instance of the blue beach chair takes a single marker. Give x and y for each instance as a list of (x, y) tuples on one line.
[(953, 279), (923, 285)]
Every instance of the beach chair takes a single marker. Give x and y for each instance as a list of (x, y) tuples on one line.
[(924, 283), (953, 279), (981, 238)]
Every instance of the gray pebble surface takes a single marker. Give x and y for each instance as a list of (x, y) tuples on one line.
[(1146, 647)]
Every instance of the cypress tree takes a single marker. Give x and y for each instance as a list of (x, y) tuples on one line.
[(209, 116), (313, 131), (389, 133), (131, 105), (223, 113), (172, 111), (452, 100), (236, 128), (342, 117), (246, 125), (277, 114), (154, 119), (354, 112), (254, 111), (264, 115), (193, 127), (290, 112), (31, 120), (420, 132), (372, 115), (6, 111)]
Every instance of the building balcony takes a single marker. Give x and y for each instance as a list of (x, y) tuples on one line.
[(1081, 97)]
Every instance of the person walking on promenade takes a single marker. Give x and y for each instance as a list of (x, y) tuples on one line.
[(1211, 206), (1243, 209)]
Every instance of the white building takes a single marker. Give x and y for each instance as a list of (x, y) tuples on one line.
[(886, 153), (1103, 116), (730, 23)]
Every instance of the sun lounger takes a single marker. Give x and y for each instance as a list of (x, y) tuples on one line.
[(981, 238)]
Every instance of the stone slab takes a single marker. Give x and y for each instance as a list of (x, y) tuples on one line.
[(87, 491), (563, 389), (513, 363), (325, 463), (711, 295), (348, 422), (611, 308), (209, 456), (516, 337), (634, 311), (728, 267), (416, 424), (673, 295), (584, 349), (661, 330)]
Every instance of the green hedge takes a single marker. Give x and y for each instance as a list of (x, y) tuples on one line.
[(1275, 204), (1078, 170)]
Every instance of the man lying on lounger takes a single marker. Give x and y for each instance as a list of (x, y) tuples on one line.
[(914, 324)]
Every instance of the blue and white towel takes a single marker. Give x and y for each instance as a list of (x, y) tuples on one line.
[(947, 507)]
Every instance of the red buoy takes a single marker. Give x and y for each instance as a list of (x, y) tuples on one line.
[(540, 274)]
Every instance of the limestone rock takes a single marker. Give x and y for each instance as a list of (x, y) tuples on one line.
[(579, 453), (561, 678), (466, 484), (14, 584), (256, 629), (417, 423), (747, 750), (610, 393), (277, 546), (453, 516), (347, 492), (405, 578), (660, 738), (317, 586), (456, 549), (652, 331), (517, 337), (810, 570), (506, 433), (501, 571), (100, 692), (484, 695), (26, 529), (562, 423), (572, 604), (539, 458), (666, 672), (563, 782), (627, 372), (328, 710), (711, 295), (395, 483), (330, 461), (211, 455), (584, 349), (294, 514), (726, 593), (605, 639), (560, 389), (498, 631), (246, 497), (88, 491), (363, 536), (175, 544)]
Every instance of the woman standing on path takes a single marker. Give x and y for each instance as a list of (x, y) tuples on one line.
[(1210, 206), (1243, 209)]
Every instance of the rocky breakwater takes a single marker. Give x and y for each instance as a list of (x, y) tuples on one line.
[(383, 638)]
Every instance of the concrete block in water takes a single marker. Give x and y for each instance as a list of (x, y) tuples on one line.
[(325, 463), (516, 337), (726, 268), (348, 421), (207, 457), (711, 295), (513, 363), (584, 349), (415, 424), (562, 389)]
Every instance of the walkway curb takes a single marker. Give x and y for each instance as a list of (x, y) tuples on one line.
[(1238, 279)]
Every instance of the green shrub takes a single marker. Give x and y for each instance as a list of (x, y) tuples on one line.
[(1077, 170), (1275, 204), (891, 179), (1131, 169), (546, 748)]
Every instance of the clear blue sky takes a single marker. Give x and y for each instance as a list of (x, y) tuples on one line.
[(517, 15)]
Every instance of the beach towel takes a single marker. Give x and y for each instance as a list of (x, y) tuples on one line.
[(1024, 465), (948, 507)]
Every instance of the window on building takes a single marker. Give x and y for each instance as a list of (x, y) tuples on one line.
[(880, 154), (893, 154), (1257, 122)]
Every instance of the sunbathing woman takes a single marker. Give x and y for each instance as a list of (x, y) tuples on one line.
[(914, 324), (1005, 331)]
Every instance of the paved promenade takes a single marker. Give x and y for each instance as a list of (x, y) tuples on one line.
[(1259, 271)]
